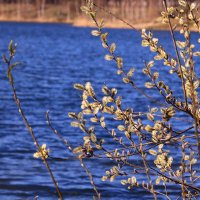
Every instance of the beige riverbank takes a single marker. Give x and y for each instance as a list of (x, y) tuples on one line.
[(84, 22)]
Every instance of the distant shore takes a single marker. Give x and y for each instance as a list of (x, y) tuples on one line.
[(119, 24), (83, 22), (137, 13)]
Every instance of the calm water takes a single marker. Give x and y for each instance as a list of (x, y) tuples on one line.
[(54, 57)]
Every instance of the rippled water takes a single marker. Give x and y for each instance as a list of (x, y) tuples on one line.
[(54, 57)]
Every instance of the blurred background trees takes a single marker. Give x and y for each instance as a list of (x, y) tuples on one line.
[(139, 13), (67, 10)]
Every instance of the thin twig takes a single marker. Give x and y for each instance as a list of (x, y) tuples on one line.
[(175, 180), (115, 16), (31, 130), (143, 156), (177, 54), (71, 149)]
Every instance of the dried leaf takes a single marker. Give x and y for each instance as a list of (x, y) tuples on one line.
[(150, 116), (196, 84), (93, 137), (130, 73), (72, 115), (126, 80), (155, 75), (197, 53), (121, 128), (109, 57), (123, 182), (148, 128), (149, 85), (119, 62), (180, 44), (95, 33), (104, 178), (77, 149), (152, 152), (75, 124), (158, 57), (145, 43), (112, 47), (193, 5), (150, 64), (79, 86), (182, 3)]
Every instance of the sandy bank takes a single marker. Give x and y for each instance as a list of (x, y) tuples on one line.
[(84, 22)]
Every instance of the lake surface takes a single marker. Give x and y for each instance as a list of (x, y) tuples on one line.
[(54, 57)]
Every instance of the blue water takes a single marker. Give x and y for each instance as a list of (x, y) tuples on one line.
[(53, 57)]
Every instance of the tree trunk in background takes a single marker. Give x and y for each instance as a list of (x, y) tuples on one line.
[(67, 8), (43, 7), (18, 9), (1, 8), (40, 5)]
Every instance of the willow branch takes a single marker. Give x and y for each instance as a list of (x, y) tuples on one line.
[(71, 149), (17, 101), (177, 54)]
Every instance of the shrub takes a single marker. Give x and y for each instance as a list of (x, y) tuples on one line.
[(139, 136)]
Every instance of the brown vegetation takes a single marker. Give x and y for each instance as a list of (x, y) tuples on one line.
[(139, 13)]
